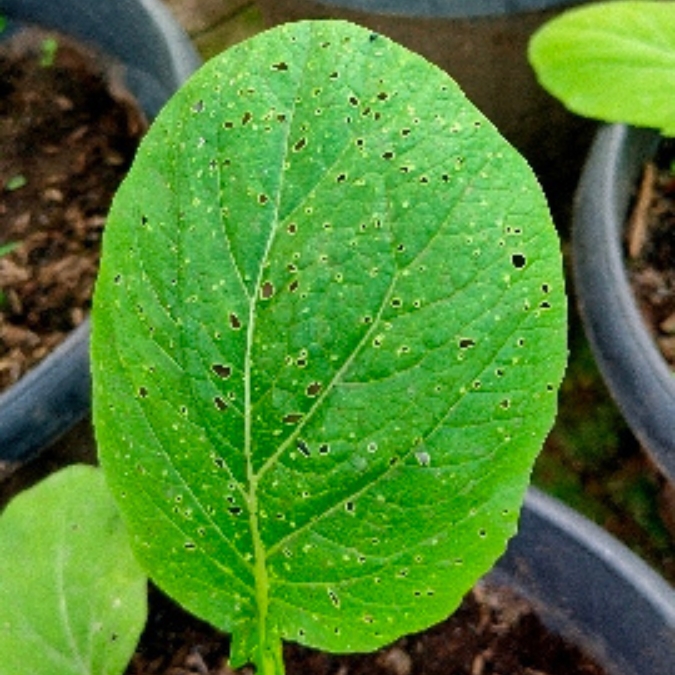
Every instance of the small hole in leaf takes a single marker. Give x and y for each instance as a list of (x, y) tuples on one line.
[(292, 418), (263, 199), (281, 66), (246, 118), (341, 178), (189, 546), (235, 510), (221, 371), (388, 155), (220, 403), (267, 290), (235, 323), (505, 404), (350, 507), (324, 449), (314, 389), (143, 392), (518, 260), (466, 343), (292, 228), (300, 144), (293, 286)]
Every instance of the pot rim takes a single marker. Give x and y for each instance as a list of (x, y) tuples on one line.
[(590, 588), (56, 393), (446, 8), (639, 379)]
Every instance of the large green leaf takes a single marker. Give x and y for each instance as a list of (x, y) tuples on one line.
[(613, 61), (72, 596), (328, 332)]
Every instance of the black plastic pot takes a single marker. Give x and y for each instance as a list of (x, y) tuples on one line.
[(591, 589), (482, 44), (636, 374), (157, 57)]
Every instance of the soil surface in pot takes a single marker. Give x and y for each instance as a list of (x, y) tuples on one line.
[(68, 132), (651, 248), (492, 633)]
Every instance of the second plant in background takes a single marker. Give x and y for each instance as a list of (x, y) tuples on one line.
[(615, 62)]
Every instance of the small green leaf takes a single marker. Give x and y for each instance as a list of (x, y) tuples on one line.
[(612, 61), (15, 182), (7, 248), (48, 51), (328, 332), (72, 597)]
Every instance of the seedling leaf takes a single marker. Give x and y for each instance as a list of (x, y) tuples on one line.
[(612, 61), (72, 597), (327, 336)]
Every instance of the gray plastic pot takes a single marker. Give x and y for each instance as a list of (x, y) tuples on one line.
[(589, 588), (482, 44), (636, 374), (157, 57)]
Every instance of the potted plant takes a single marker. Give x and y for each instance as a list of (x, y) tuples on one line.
[(326, 347), (582, 58), (75, 554), (482, 44), (157, 57)]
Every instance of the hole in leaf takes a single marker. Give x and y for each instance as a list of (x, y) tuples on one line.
[(246, 118), (292, 418), (221, 370), (518, 260), (299, 145), (303, 448), (220, 403), (324, 449), (267, 290), (466, 343), (280, 67), (235, 323), (293, 286), (235, 510), (313, 389), (142, 392)]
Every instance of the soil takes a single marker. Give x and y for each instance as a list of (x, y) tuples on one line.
[(651, 249), (494, 632), (68, 132)]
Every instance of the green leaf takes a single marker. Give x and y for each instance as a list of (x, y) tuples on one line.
[(72, 597), (612, 61), (327, 336)]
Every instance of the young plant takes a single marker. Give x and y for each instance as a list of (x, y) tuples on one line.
[(328, 333), (613, 61), (72, 596)]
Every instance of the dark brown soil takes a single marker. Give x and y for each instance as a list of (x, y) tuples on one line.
[(492, 633), (651, 249), (68, 132)]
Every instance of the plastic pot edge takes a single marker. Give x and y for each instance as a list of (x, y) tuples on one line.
[(637, 375), (55, 394)]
